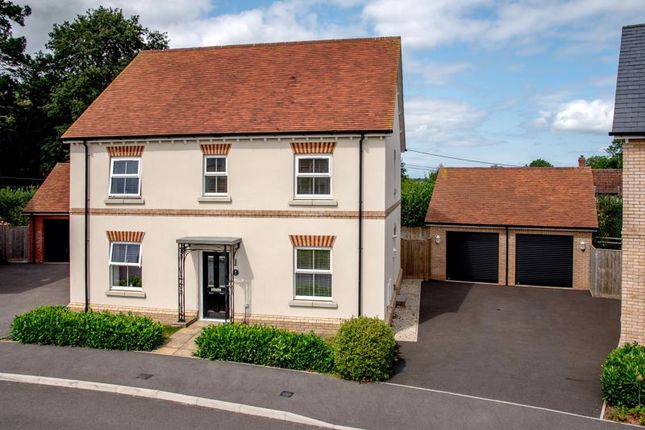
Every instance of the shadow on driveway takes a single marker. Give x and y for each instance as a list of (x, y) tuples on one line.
[(26, 286), (534, 346)]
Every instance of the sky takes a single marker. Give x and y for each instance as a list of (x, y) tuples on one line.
[(502, 81)]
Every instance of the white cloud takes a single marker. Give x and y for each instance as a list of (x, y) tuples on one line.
[(435, 73), (588, 116)]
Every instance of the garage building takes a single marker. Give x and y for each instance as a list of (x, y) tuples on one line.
[(513, 226), (48, 212)]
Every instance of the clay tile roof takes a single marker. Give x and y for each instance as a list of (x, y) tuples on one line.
[(558, 197), (608, 181), (53, 194), (298, 87)]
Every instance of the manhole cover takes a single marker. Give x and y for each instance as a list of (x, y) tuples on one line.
[(286, 394), (144, 376)]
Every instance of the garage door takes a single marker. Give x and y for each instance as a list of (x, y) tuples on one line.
[(544, 260), (472, 256), (56, 240)]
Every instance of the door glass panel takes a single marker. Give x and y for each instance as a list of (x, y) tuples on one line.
[(210, 281), (222, 271)]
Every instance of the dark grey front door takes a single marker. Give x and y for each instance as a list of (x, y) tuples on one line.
[(215, 294)]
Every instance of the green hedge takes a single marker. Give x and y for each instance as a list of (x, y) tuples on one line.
[(57, 325), (264, 345), (623, 376), (364, 350)]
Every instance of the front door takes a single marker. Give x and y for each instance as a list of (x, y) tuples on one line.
[(215, 285)]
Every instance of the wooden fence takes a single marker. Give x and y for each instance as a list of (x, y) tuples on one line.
[(415, 252), (14, 243), (605, 273)]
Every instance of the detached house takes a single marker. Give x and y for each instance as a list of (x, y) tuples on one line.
[(629, 124), (254, 183)]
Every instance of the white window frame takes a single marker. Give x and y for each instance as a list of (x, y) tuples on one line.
[(137, 264), (125, 175), (224, 173), (313, 175), (313, 271)]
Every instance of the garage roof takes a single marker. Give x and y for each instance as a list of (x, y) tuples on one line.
[(53, 194), (293, 87), (558, 197)]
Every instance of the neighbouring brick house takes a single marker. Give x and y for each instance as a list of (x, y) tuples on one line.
[(48, 212), (629, 124), (256, 183), (605, 181), (513, 226)]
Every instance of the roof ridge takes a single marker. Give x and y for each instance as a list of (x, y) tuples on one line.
[(634, 25), (252, 45)]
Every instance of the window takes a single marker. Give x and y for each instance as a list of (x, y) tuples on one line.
[(125, 177), (313, 273), (125, 265), (313, 176), (215, 176)]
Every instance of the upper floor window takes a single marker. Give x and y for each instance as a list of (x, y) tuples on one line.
[(125, 177), (215, 176), (125, 265), (313, 273), (313, 176)]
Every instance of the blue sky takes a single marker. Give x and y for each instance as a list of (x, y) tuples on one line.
[(504, 81)]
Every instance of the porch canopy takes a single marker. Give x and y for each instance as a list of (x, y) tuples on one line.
[(188, 244)]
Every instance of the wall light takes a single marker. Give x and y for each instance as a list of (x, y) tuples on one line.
[(437, 239), (583, 245)]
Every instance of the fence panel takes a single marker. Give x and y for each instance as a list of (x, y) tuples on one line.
[(606, 273), (415, 258), (14, 243)]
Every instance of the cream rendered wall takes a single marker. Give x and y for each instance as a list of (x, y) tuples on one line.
[(260, 178)]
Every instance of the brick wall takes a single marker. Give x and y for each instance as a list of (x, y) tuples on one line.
[(581, 259), (37, 244), (633, 282)]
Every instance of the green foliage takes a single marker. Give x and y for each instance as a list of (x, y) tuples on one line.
[(613, 161), (623, 376), (415, 196), (364, 350), (264, 345), (610, 217), (12, 49), (57, 325), (12, 202), (540, 163), (623, 414)]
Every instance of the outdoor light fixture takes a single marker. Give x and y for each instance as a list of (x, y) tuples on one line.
[(583, 245), (437, 239)]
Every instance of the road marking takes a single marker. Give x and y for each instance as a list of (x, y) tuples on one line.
[(148, 393), (504, 402)]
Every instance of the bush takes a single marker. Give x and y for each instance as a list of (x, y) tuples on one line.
[(415, 196), (364, 350), (264, 345), (57, 325), (12, 202), (623, 376)]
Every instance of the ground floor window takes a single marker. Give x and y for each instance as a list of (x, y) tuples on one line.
[(125, 265), (313, 278)]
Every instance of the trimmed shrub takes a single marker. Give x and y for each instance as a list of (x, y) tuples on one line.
[(57, 325), (623, 376), (364, 350), (265, 345)]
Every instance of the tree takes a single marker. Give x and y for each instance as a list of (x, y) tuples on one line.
[(85, 56), (613, 161), (540, 163), (610, 218), (415, 196)]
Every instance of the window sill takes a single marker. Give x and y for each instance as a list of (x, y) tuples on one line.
[(124, 201), (215, 199), (125, 293), (312, 304), (313, 202)]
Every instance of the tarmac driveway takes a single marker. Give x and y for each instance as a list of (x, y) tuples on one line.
[(26, 286), (534, 346)]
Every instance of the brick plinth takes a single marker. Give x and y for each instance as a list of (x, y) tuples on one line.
[(321, 326), (164, 316)]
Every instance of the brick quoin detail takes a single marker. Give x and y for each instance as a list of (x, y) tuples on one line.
[(125, 236), (125, 151), (312, 241), (216, 148), (313, 147)]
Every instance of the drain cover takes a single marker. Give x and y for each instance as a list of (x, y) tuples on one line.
[(287, 394), (144, 376)]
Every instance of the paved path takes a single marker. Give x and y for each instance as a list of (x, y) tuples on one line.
[(182, 342), (373, 406), (26, 286), (536, 346), (37, 407)]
